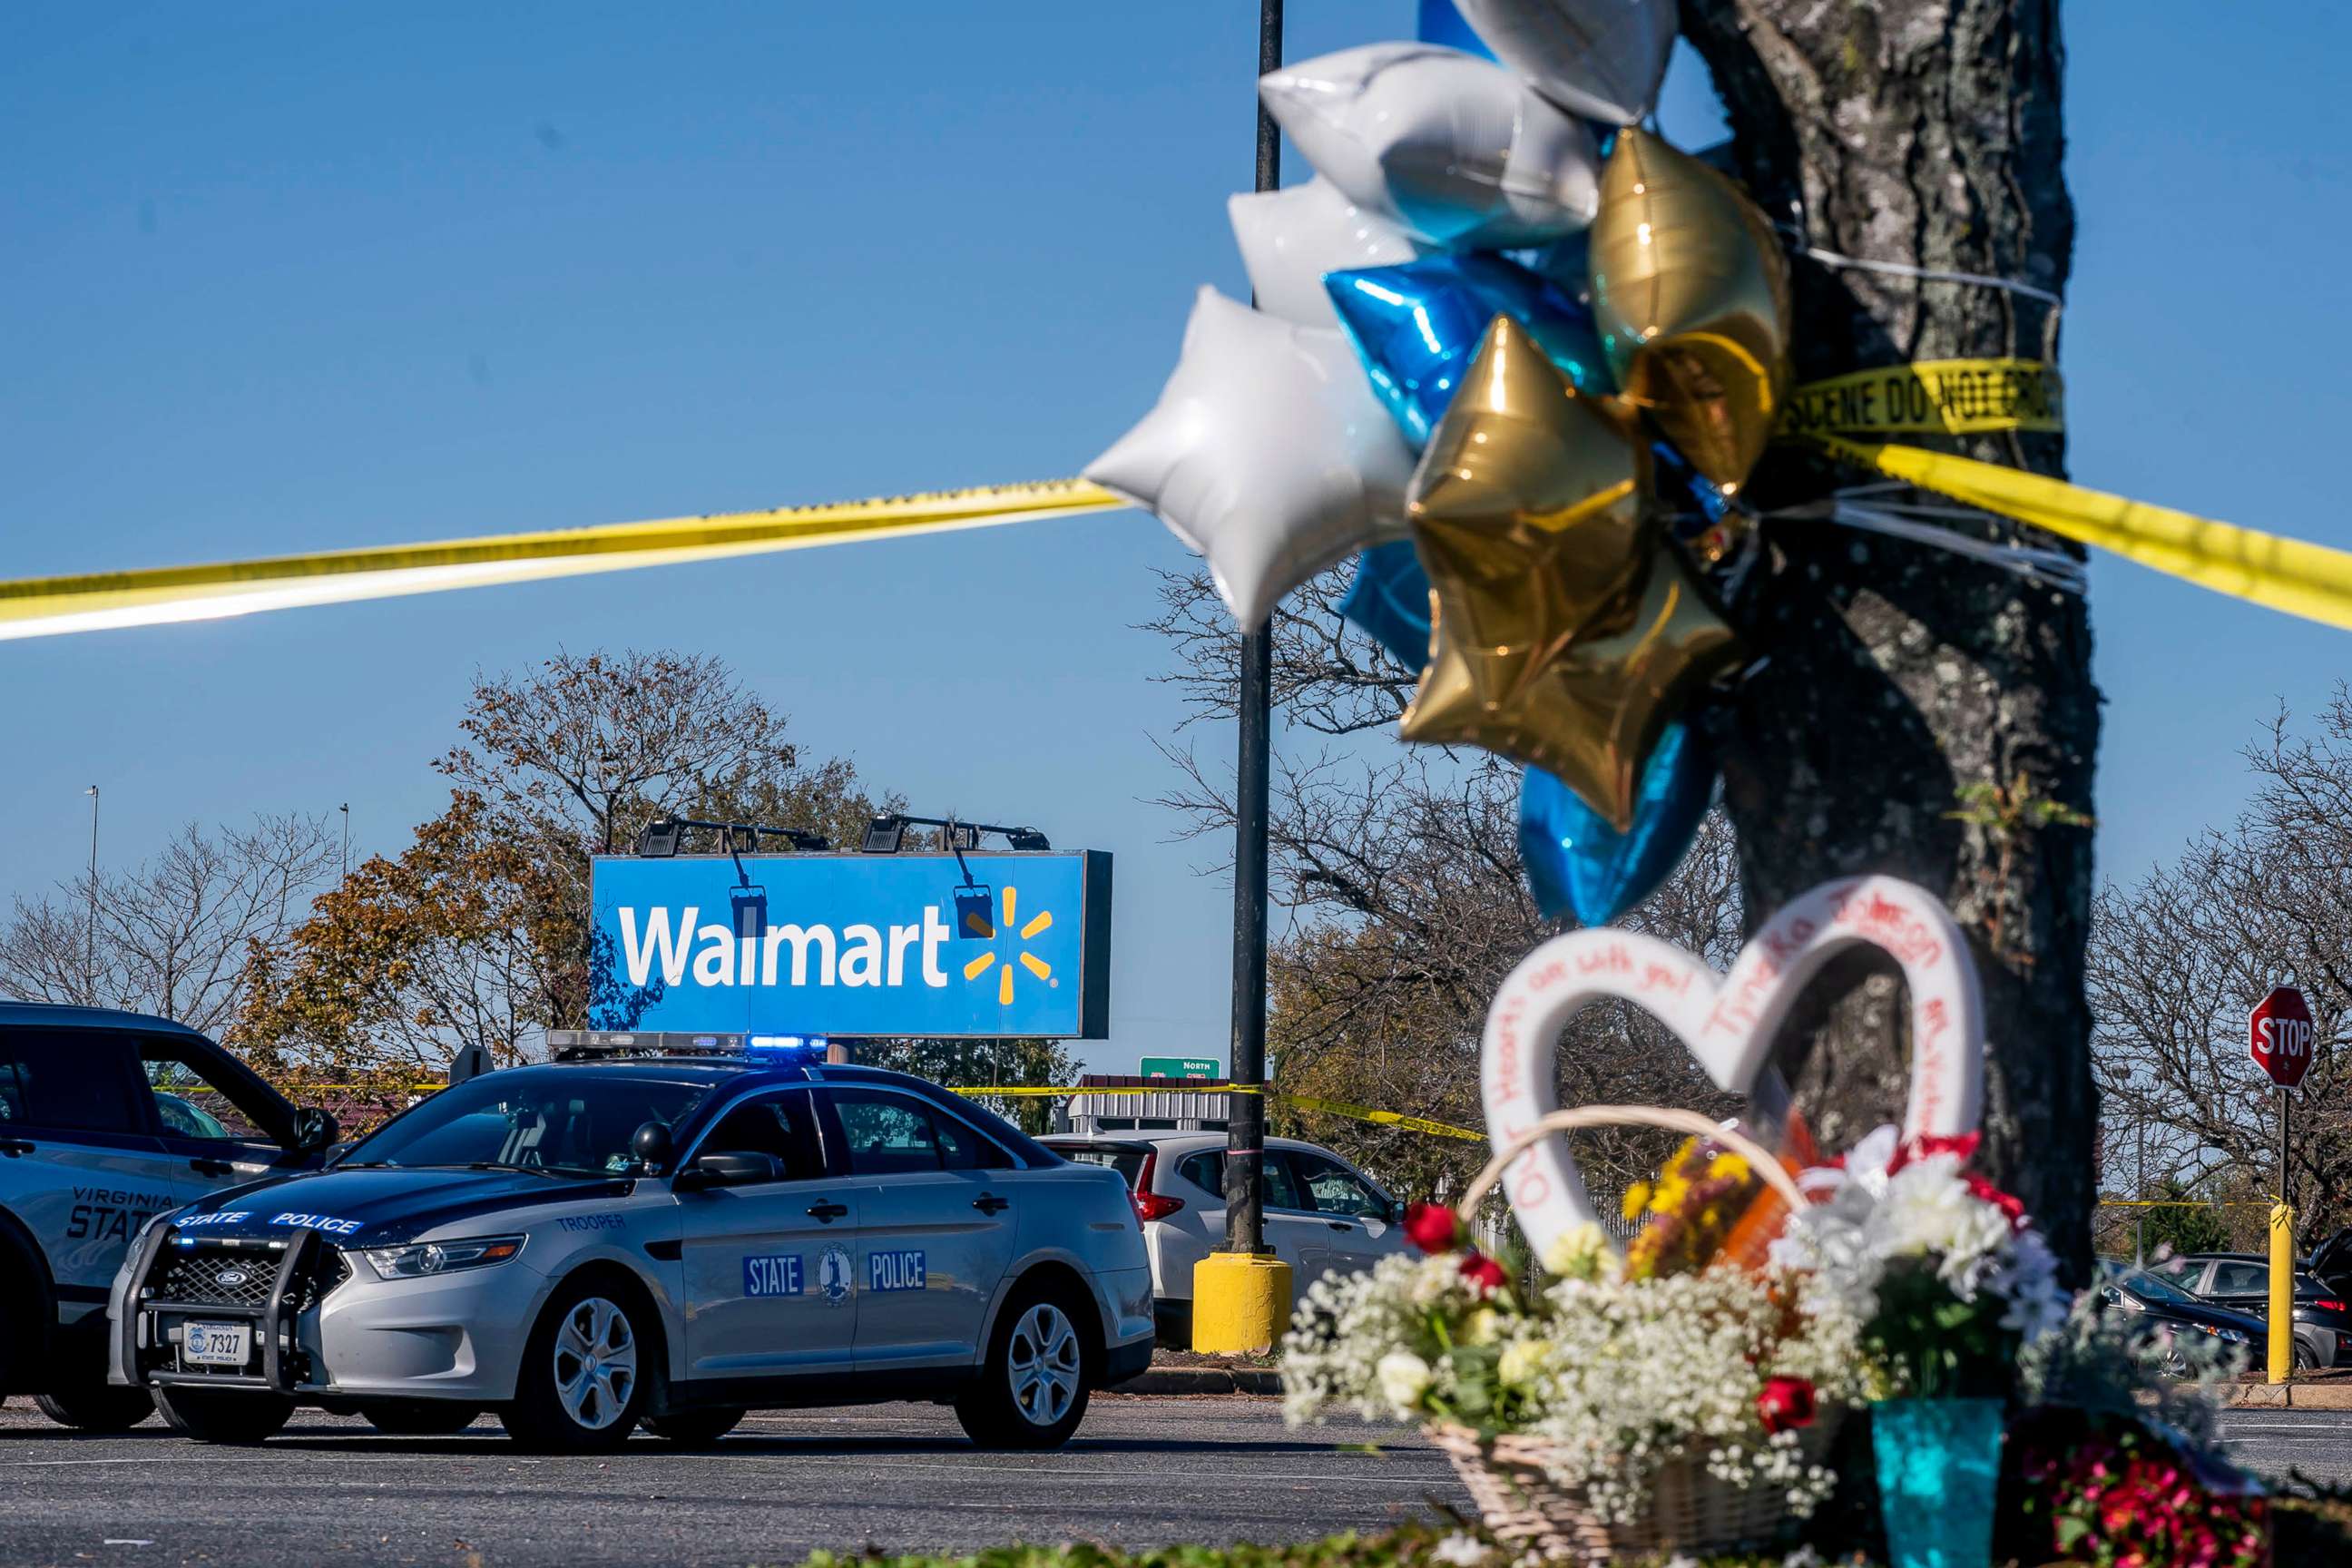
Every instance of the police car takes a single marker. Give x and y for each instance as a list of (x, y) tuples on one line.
[(666, 1238), (107, 1120)]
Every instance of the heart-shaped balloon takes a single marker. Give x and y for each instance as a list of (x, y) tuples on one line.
[(1389, 602), (1577, 864), (1727, 1022), (1603, 58), (1289, 239), (1418, 325), (1266, 453), (1455, 148)]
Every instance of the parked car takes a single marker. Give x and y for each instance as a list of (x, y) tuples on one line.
[(2330, 1263), (2156, 1302), (107, 1120), (642, 1236), (1322, 1215), (2242, 1281)]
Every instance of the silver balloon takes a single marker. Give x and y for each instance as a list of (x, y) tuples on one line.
[(1458, 150), (1290, 238), (1603, 58), (1267, 453)]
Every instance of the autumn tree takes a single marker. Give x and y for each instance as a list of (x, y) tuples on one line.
[(172, 934), (481, 929), (2178, 958)]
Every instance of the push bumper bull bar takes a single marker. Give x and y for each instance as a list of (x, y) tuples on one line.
[(273, 1321)]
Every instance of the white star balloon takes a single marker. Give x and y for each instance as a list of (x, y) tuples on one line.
[(1266, 452), (1603, 58), (1290, 238), (1456, 149)]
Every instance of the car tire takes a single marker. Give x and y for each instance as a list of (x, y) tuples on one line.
[(695, 1428), (224, 1416), (96, 1407), (581, 1383), (2306, 1358), (419, 1417), (1032, 1390)]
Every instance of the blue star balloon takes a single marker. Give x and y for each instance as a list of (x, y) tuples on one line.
[(1389, 601), (1441, 24), (1577, 864), (1417, 326)]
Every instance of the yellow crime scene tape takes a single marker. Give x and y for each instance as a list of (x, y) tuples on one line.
[(1938, 397), (100, 601), (1935, 396), (1192, 1086)]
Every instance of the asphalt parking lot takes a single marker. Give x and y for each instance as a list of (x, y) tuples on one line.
[(1143, 1471)]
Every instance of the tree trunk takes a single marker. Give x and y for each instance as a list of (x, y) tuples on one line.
[(1905, 683)]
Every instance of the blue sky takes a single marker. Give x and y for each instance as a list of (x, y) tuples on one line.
[(273, 277)]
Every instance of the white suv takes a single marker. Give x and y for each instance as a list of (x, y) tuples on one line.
[(1322, 1215)]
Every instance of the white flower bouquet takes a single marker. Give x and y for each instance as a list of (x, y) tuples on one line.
[(1599, 1410)]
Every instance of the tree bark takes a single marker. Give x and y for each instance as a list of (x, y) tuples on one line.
[(1904, 682)]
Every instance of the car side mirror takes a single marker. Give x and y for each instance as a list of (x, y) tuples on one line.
[(314, 1129), (729, 1171), (650, 1146)]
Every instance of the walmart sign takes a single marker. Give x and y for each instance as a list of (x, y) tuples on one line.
[(854, 945)]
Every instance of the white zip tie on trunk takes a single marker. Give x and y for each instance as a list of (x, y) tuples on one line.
[(1861, 508)]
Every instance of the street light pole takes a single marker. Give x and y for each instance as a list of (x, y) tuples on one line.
[(346, 809), (90, 950), (1245, 1135)]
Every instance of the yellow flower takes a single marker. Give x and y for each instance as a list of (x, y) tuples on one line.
[(1523, 1361), (1729, 1166), (1481, 1327), (1579, 1254), (1672, 1192), (1637, 1198)]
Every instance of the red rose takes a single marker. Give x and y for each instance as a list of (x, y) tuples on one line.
[(1484, 1272), (1786, 1404), (1433, 1227)]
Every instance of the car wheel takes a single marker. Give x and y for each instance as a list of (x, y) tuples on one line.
[(419, 1417), (97, 1407), (2304, 1360), (580, 1389), (1032, 1390), (695, 1428), (224, 1416)]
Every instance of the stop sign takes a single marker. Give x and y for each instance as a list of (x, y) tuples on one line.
[(2281, 1031)]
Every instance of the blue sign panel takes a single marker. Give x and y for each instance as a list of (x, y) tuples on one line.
[(853, 945)]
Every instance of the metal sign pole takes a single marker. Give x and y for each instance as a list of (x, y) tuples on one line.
[(2282, 1305), (1245, 1135), (1241, 1296)]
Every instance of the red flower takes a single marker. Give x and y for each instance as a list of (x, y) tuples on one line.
[(1484, 1271), (1433, 1227), (1964, 1146), (2008, 1204), (1786, 1404)]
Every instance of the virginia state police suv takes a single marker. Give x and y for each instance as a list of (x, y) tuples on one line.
[(666, 1238)]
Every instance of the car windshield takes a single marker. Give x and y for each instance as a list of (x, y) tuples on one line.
[(1125, 1158), (565, 1120), (2149, 1286)]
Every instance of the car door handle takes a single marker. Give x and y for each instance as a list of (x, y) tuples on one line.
[(12, 1147), (989, 1203), (211, 1167), (827, 1213), (1339, 1225)]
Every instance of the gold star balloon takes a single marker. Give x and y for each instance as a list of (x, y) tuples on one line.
[(1691, 293), (1567, 631), (1526, 509)]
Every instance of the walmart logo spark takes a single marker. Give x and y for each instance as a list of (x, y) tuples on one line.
[(975, 923)]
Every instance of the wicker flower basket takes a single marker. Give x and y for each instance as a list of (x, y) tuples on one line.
[(1689, 1510)]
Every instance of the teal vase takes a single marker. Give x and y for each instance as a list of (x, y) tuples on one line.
[(1939, 1480)]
